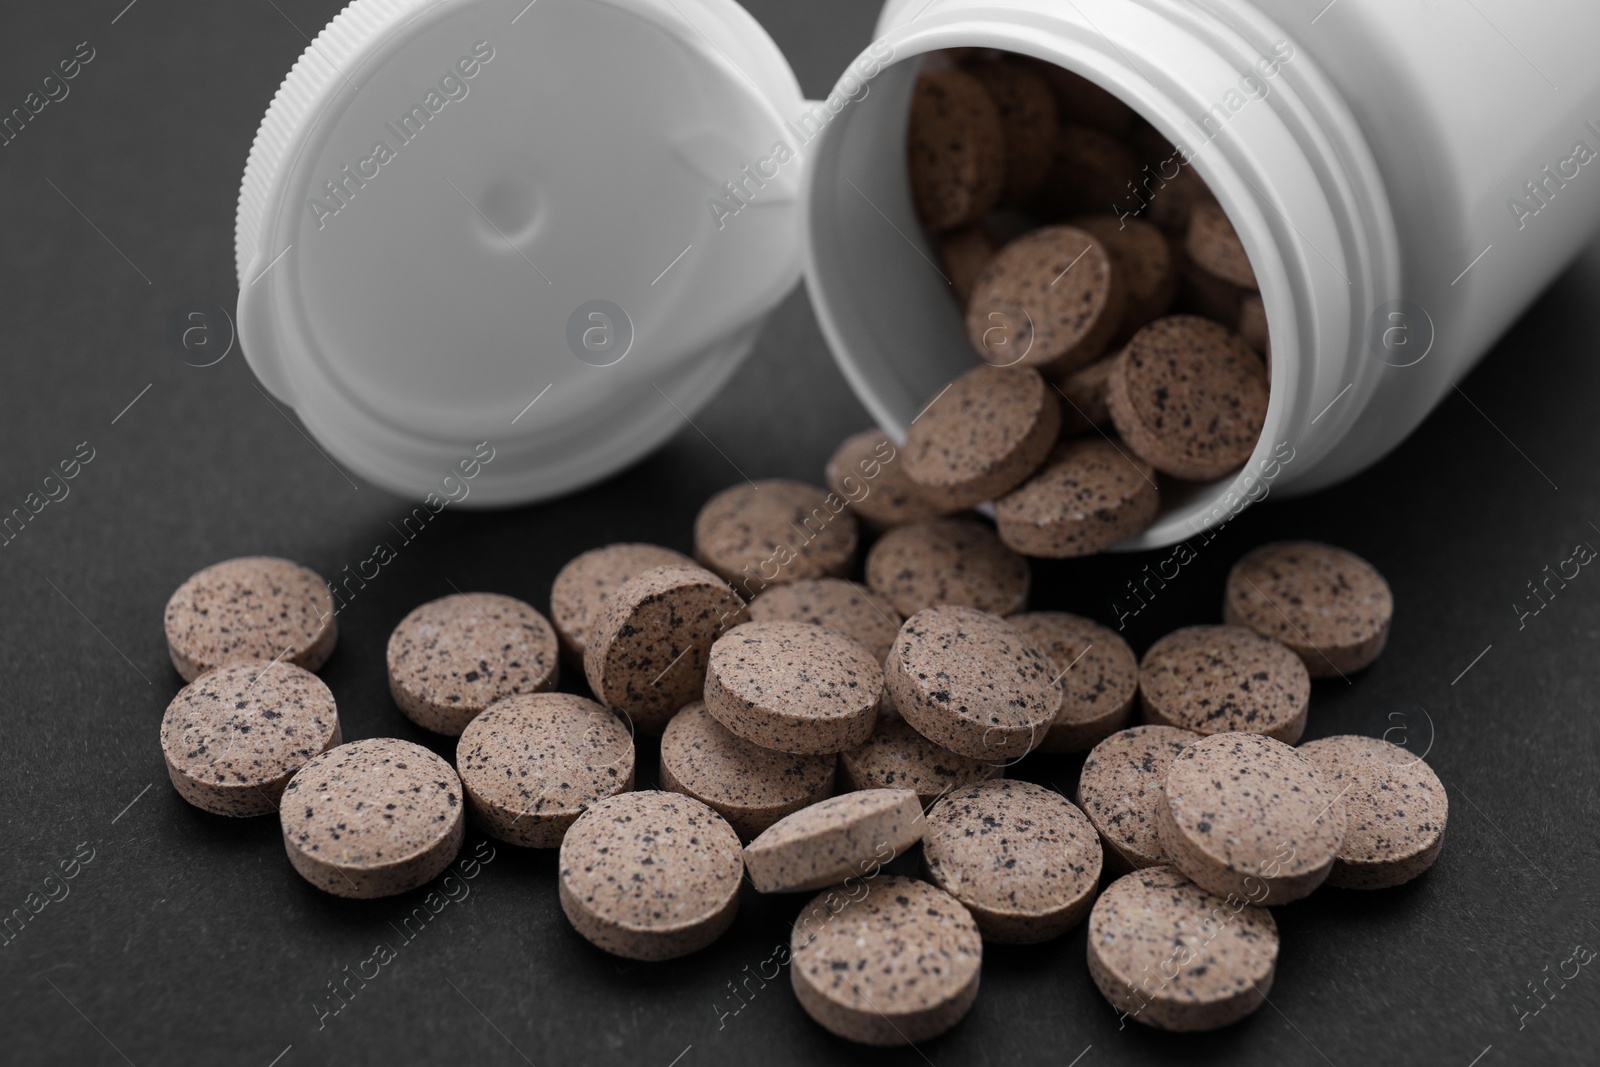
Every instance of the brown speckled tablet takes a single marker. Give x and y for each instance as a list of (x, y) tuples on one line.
[(833, 839), (1121, 791), (373, 818), (1021, 857), (1189, 397), (1330, 606), (647, 650), (964, 253), (1049, 298), (1098, 673), (1081, 100), (869, 472), (253, 608), (583, 585), (894, 966), (1202, 293), (650, 875), (1253, 328), (1217, 679), (531, 764), (793, 687), (972, 683), (750, 786), (955, 151), (233, 737), (1170, 955), (453, 657), (947, 561), (1169, 189), (833, 604), (1092, 174), (1141, 256), (897, 757), (1027, 123), (1214, 246), (1090, 495), (982, 435), (1249, 815), (1395, 810), (775, 531), (1083, 392)]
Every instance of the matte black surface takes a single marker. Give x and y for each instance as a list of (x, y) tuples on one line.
[(188, 938)]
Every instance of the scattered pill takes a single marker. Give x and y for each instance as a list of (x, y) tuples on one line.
[(869, 472), (947, 561), (897, 757), (1121, 790), (955, 150), (894, 966), (774, 531), (531, 764), (254, 608), (1189, 397), (833, 604), (972, 683), (372, 818), (647, 650), (1021, 857), (834, 839), (1084, 393), (750, 786), (650, 875), (1328, 605), (1050, 298), (234, 737), (793, 687), (982, 435), (1170, 955), (1089, 495), (1395, 810), (583, 585), (1141, 256), (451, 658), (1097, 671), (1219, 679), (1249, 815)]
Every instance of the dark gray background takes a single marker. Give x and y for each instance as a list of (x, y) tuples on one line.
[(189, 939)]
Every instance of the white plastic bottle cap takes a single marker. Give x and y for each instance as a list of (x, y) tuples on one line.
[(493, 220)]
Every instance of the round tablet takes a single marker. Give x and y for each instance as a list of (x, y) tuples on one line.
[(1189, 397), (963, 254), (1202, 293), (894, 966), (647, 650), (1214, 246), (255, 608), (774, 531), (869, 472), (897, 757), (982, 435), (1142, 258), (531, 764), (583, 585), (1218, 679), (972, 683), (1097, 671), (955, 150), (1088, 496), (1395, 810), (833, 604), (833, 839), (1081, 100), (372, 818), (1021, 857), (750, 786), (1121, 790), (1168, 954), (1330, 606), (947, 561), (233, 737), (1083, 393), (1027, 124), (1249, 815), (1049, 298), (453, 657), (1092, 173), (793, 687), (650, 875)]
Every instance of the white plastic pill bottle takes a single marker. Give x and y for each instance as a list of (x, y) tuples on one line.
[(557, 227)]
